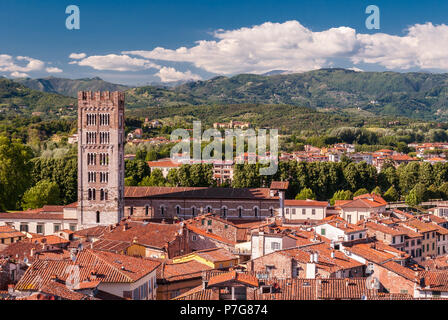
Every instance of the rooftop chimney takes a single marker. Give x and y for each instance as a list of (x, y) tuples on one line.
[(32, 251), (332, 254), (125, 226)]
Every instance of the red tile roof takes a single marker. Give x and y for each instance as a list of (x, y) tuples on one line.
[(304, 203), (198, 193)]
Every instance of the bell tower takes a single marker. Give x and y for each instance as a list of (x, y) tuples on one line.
[(100, 158)]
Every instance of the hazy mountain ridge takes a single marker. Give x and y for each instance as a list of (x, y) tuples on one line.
[(416, 95), (70, 87)]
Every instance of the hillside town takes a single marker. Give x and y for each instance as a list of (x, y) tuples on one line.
[(121, 242)]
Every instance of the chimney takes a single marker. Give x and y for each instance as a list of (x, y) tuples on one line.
[(125, 226), (311, 257), (332, 254), (204, 284), (163, 221), (32, 251), (10, 288), (316, 257)]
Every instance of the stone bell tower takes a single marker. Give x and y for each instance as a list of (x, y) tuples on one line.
[(100, 158)]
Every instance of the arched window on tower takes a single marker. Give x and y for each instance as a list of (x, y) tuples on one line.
[(98, 217), (146, 210)]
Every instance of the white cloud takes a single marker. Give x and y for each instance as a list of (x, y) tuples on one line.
[(16, 74), (115, 62), (168, 74), (53, 70), (425, 46), (11, 64), (77, 56), (291, 46)]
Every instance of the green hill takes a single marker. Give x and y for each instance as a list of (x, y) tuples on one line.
[(416, 95), (16, 99), (70, 87)]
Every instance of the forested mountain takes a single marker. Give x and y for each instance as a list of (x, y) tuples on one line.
[(70, 87), (415, 95)]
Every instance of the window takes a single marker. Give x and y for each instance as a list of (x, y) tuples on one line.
[(194, 238), (146, 210), (275, 245), (178, 210), (56, 227), (131, 211), (40, 229), (322, 231), (162, 210), (256, 211), (193, 211), (240, 212), (313, 211), (24, 227), (72, 227), (349, 218), (303, 211), (209, 222), (271, 212), (287, 210), (98, 217), (224, 211)]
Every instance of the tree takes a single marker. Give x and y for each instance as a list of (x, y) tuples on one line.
[(155, 180), (305, 194), (443, 189), (151, 156), (137, 170), (172, 178), (246, 176), (129, 182), (43, 193), (417, 195), (341, 195), (377, 190), (360, 192), (391, 195), (15, 172)]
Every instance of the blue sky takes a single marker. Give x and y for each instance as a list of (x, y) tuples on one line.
[(117, 38)]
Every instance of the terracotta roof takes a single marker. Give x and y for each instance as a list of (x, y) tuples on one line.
[(198, 193), (10, 232), (109, 268), (325, 261), (279, 185), (110, 245), (298, 289), (23, 215), (385, 229), (91, 232), (361, 203), (156, 235), (214, 255), (50, 239), (400, 270), (206, 234), (304, 203), (163, 164), (435, 280), (170, 272), (233, 276), (51, 208)]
